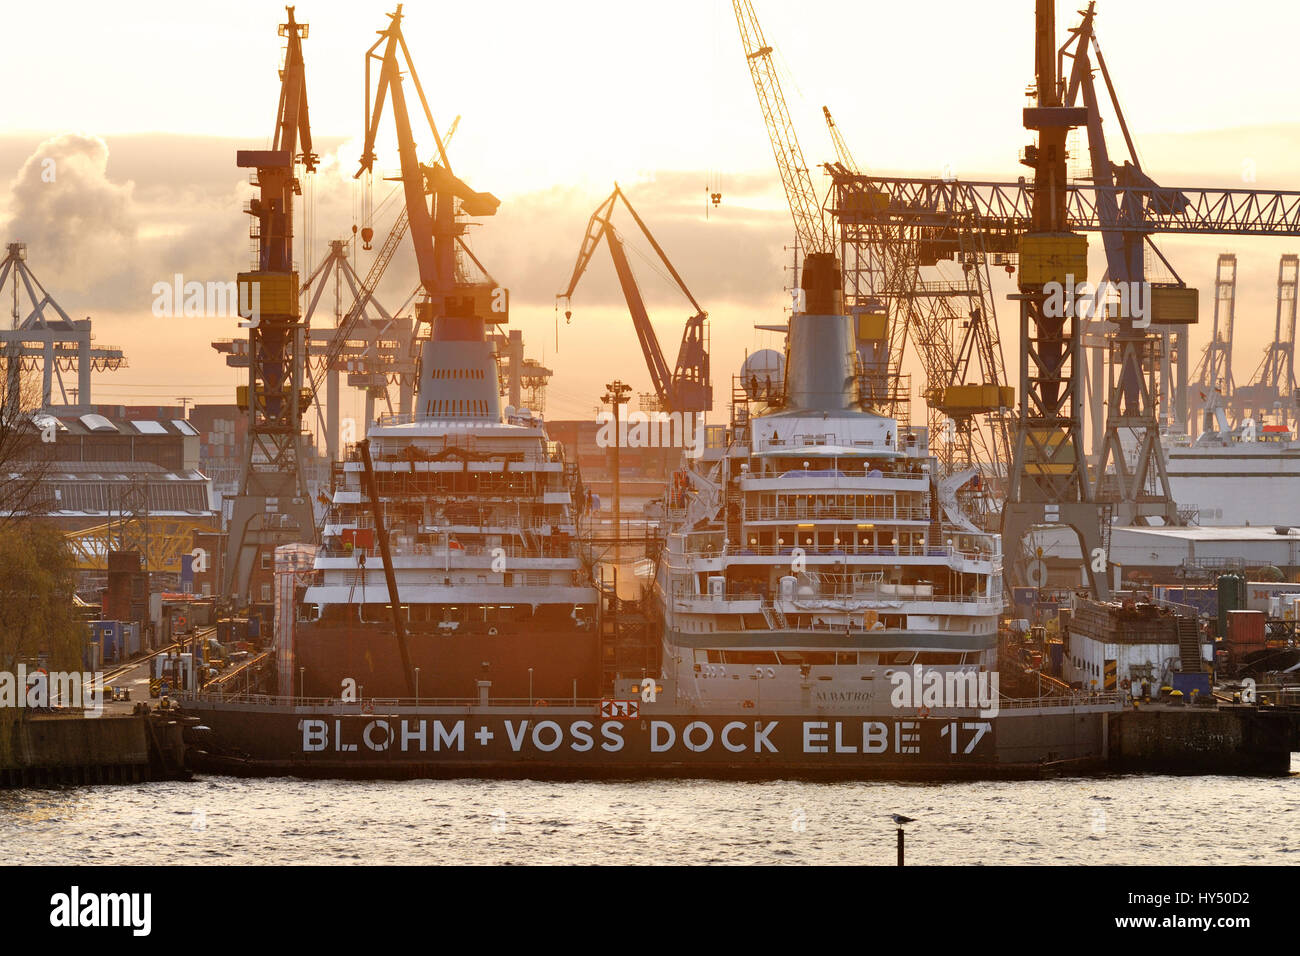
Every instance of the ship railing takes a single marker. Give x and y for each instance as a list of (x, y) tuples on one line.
[(1074, 699), (843, 550), (380, 705), (868, 594), (773, 470), (438, 551), (826, 513)]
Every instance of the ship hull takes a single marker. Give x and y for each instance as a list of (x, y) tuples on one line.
[(451, 665), (576, 742), (579, 742)]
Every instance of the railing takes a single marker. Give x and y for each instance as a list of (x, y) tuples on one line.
[(380, 705), (874, 594), (438, 551), (794, 513), (915, 551), (822, 476), (1077, 699)]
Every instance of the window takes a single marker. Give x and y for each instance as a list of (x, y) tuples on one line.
[(266, 592), (266, 563)]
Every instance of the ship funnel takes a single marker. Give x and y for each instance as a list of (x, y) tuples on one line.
[(821, 364)]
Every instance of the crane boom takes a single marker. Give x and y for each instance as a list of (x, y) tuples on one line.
[(809, 224), (433, 232), (686, 387), (842, 153)]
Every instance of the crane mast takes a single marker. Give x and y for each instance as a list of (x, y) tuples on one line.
[(434, 231), (272, 505), (457, 310)]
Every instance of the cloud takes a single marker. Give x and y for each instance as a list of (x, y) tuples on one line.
[(76, 222)]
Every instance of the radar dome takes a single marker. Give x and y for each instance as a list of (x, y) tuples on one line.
[(763, 374)]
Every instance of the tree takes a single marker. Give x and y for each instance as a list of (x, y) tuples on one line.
[(26, 444), (37, 615)]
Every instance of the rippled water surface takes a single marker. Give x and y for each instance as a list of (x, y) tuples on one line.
[(1113, 820)]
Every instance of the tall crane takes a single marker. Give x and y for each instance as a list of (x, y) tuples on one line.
[(1214, 372), (1041, 221), (842, 154), (458, 311), (969, 422), (809, 223), (686, 388), (1139, 488), (272, 505), (1273, 387)]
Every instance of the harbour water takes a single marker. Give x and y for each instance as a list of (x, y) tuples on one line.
[(1118, 820)]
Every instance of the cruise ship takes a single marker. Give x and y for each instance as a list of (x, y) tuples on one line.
[(819, 552), (482, 512), (1229, 477)]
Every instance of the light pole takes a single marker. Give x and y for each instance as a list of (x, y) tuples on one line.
[(417, 687), (616, 394), (302, 682), (530, 685)]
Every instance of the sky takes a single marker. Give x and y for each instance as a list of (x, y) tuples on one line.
[(142, 106)]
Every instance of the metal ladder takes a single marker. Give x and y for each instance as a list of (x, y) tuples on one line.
[(774, 616), (1189, 646)]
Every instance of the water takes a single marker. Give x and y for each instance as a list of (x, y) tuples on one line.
[(223, 820)]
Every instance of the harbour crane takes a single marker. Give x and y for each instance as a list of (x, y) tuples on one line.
[(457, 310), (1214, 372), (687, 387), (967, 400), (810, 226), (1273, 387), (272, 505), (1138, 487), (1043, 221)]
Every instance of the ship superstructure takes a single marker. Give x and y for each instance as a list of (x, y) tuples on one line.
[(819, 551), (483, 524)]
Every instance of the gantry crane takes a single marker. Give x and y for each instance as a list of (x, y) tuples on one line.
[(47, 338), (687, 387), (1138, 488), (1045, 218), (272, 505), (1272, 390), (1214, 371), (967, 401)]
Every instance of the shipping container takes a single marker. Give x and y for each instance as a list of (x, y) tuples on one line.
[(1246, 628)]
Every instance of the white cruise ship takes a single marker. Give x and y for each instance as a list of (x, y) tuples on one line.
[(815, 552), (1235, 477)]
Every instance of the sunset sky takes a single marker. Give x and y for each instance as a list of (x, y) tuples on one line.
[(143, 105)]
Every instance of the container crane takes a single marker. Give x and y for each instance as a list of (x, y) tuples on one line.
[(272, 505), (1273, 387), (1214, 373), (687, 387)]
